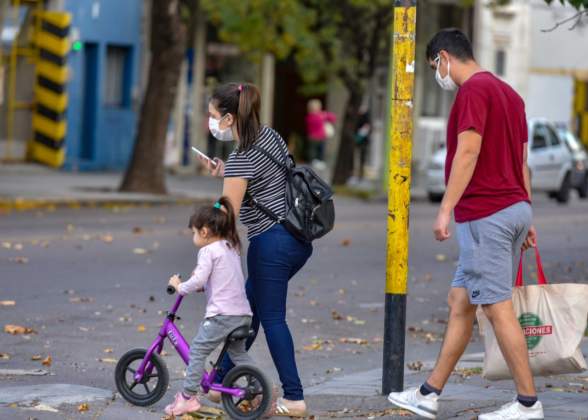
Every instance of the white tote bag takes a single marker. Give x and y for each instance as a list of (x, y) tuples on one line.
[(553, 318)]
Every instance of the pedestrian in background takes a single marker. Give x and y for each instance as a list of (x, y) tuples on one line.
[(319, 129), (363, 131), (489, 192)]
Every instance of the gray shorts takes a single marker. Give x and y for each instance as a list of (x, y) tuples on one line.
[(489, 249)]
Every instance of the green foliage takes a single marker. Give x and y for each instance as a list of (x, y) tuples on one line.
[(326, 37), (578, 4)]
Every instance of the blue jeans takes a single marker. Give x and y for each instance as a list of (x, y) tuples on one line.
[(274, 257)]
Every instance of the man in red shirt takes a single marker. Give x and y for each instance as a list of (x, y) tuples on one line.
[(489, 192)]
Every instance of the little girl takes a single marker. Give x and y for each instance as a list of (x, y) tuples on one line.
[(220, 275)]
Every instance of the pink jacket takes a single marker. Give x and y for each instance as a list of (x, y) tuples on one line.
[(315, 124)]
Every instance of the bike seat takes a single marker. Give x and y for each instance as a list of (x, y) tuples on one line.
[(239, 333)]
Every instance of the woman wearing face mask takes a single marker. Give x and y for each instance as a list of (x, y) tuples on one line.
[(274, 255)]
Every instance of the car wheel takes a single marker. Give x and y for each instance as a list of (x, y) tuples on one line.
[(563, 194), (435, 197), (583, 188)]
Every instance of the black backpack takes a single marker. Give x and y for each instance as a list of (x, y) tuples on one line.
[(310, 212)]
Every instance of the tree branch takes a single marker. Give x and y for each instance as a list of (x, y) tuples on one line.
[(577, 17)]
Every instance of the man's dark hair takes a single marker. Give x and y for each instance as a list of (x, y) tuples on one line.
[(452, 40)]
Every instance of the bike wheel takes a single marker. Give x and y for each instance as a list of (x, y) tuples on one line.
[(258, 393), (153, 385)]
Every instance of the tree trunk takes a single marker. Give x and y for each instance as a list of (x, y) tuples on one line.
[(344, 163), (146, 172)]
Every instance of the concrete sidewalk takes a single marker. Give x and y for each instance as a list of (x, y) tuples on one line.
[(352, 396), (32, 186), (29, 186)]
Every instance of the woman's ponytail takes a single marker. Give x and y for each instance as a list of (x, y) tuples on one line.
[(243, 102), (248, 115)]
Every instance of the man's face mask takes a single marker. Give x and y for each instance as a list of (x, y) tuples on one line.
[(446, 82), (214, 127)]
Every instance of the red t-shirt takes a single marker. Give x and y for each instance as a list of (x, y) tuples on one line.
[(494, 110)]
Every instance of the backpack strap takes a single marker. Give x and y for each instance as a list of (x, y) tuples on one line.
[(252, 200)]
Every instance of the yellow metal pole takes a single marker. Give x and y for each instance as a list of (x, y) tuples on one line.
[(400, 137)]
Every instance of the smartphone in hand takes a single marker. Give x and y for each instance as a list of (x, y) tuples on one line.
[(204, 157)]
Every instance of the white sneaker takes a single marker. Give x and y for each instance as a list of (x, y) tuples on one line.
[(412, 400), (515, 411)]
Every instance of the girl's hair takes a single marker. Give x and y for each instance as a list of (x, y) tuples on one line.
[(218, 220), (243, 101)]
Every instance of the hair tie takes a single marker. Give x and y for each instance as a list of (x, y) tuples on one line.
[(217, 205), (240, 88)]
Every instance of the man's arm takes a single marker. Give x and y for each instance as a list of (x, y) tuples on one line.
[(526, 172), (469, 144)]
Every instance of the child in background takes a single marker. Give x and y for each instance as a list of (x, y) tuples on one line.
[(220, 276)]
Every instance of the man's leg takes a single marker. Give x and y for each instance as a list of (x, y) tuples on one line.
[(457, 336), (512, 344)]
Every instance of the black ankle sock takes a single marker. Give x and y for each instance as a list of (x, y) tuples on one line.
[(526, 400), (427, 389)]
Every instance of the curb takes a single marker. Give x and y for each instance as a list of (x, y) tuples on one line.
[(51, 204)]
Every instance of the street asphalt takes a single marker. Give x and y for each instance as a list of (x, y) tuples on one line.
[(91, 284)]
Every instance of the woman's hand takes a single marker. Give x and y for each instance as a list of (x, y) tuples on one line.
[(175, 282), (217, 170)]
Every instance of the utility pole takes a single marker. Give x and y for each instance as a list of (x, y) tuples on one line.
[(400, 138)]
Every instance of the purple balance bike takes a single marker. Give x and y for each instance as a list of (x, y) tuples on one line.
[(142, 377)]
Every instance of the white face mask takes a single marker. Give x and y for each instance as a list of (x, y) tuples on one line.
[(222, 135), (446, 82)]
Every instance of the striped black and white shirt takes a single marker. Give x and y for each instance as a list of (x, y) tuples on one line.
[(266, 180)]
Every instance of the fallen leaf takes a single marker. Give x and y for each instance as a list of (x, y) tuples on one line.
[(20, 260), (47, 361), (108, 360), (313, 303), (7, 303), (346, 242), (70, 228), (313, 346), (159, 220), (140, 251), (36, 357), (79, 299), (6, 245), (137, 230), (108, 350), (352, 340), (441, 257), (468, 372), (342, 292), (336, 315), (4, 356), (106, 238), (416, 366), (83, 407), (17, 329), (141, 328)]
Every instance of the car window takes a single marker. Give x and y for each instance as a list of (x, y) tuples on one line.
[(539, 137), (552, 136)]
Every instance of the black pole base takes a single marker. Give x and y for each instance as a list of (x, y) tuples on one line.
[(394, 338)]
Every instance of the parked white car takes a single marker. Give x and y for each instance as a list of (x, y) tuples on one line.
[(549, 159), (579, 162)]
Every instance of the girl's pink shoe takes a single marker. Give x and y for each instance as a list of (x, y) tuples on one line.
[(182, 406)]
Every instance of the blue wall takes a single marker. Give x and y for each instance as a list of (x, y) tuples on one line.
[(100, 24)]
